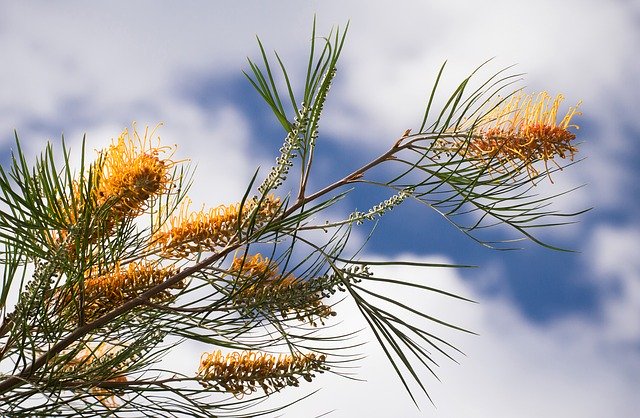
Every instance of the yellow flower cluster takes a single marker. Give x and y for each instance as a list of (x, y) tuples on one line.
[(130, 172), (123, 179), (108, 291), (243, 373), (524, 129), (253, 267), (192, 233), (519, 132), (258, 286)]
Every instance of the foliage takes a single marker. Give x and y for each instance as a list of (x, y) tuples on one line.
[(112, 269)]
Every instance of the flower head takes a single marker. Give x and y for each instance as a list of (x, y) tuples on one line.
[(129, 172), (123, 179), (104, 292), (195, 232), (245, 372), (258, 286), (524, 129)]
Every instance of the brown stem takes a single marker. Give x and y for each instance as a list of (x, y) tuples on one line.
[(349, 178)]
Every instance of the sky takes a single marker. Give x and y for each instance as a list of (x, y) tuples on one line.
[(559, 333)]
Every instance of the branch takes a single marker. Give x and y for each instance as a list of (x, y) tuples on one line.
[(16, 380)]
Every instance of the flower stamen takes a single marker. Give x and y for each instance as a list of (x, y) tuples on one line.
[(525, 128), (195, 232), (517, 133), (129, 173), (104, 292), (243, 373)]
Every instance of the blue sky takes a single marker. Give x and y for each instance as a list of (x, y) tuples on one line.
[(560, 333)]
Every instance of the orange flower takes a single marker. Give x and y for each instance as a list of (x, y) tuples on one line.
[(524, 129), (92, 353), (243, 373), (105, 292), (192, 233), (107, 397), (123, 179), (258, 286), (129, 172)]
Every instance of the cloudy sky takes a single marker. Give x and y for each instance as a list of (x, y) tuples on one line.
[(559, 332)]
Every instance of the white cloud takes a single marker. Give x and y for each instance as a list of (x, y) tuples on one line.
[(114, 55), (217, 143), (399, 47), (613, 252)]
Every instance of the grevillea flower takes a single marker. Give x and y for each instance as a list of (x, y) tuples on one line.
[(195, 232), (245, 372), (123, 179), (525, 128), (105, 292), (258, 286), (516, 134), (131, 171)]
